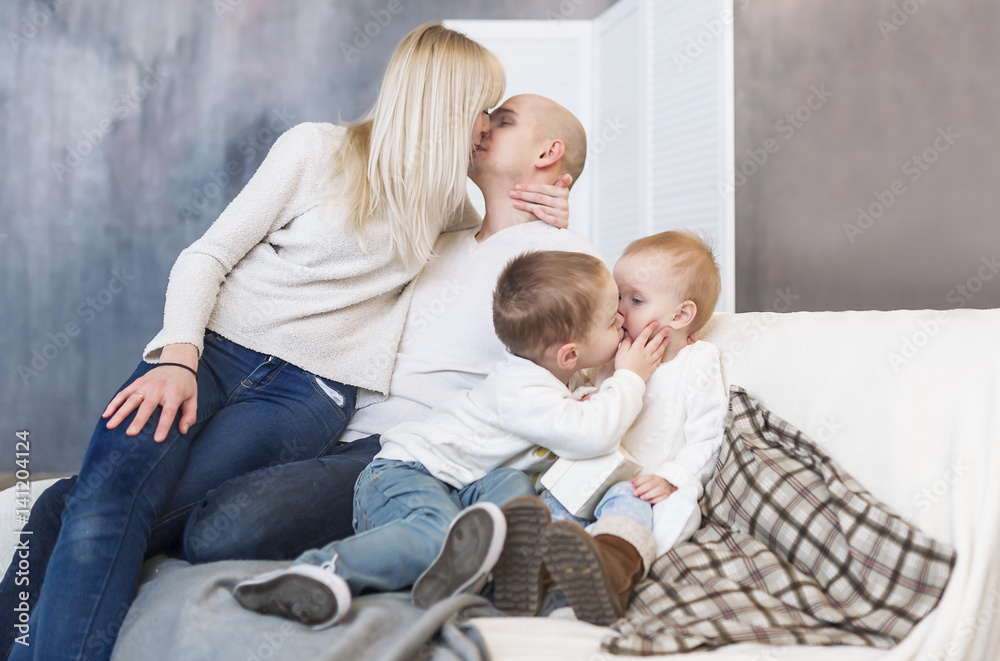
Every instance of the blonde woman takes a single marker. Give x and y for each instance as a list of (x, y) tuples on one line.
[(278, 321)]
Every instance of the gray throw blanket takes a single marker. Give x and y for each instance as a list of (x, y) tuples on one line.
[(793, 552), (188, 612)]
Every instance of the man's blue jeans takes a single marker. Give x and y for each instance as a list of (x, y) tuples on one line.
[(402, 514), (133, 495), (280, 512)]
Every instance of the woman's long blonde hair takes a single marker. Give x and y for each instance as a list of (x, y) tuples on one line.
[(407, 161)]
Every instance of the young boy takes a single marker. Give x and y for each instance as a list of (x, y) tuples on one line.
[(670, 278), (556, 313)]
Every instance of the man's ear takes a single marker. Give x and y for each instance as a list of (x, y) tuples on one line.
[(685, 314), (553, 152), (567, 356)]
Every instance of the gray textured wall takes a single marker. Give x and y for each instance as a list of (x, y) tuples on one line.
[(120, 120), (899, 71)]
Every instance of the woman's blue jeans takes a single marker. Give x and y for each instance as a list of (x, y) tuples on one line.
[(133, 495)]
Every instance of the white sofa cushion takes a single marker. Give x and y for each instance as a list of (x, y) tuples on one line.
[(8, 516)]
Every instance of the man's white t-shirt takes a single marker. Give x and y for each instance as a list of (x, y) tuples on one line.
[(448, 343)]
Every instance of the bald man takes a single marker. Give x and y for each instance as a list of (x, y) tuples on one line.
[(531, 140), (447, 346)]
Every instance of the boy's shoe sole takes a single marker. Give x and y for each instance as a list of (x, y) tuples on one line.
[(305, 593), (517, 578), (470, 550), (575, 564)]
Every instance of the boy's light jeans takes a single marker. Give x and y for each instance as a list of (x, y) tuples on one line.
[(402, 514)]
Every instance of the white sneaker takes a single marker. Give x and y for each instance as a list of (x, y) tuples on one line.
[(475, 539), (305, 593)]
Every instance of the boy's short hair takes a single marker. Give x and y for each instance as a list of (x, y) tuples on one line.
[(546, 298), (695, 271)]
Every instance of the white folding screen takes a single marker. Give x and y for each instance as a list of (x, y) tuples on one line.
[(652, 82), (618, 139), (691, 142)]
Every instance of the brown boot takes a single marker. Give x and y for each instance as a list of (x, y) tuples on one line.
[(597, 574), (519, 579)]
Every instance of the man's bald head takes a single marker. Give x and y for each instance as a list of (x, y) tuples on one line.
[(554, 122), (531, 140)]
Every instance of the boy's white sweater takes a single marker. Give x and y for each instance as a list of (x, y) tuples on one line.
[(517, 416), (279, 273)]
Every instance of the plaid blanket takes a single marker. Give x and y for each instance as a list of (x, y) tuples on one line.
[(793, 552)]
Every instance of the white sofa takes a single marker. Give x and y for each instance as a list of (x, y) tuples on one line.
[(908, 402)]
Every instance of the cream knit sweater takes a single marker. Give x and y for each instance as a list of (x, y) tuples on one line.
[(278, 273)]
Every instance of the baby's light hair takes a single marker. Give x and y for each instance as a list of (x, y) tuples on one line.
[(694, 272), (546, 298)]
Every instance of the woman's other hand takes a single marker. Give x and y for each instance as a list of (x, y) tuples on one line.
[(548, 203), (169, 387)]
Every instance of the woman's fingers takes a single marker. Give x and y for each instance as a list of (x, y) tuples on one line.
[(543, 213), (146, 409), (189, 414), (531, 195), (125, 406), (172, 401), (548, 203), (541, 195), (167, 415), (117, 401), (168, 387)]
